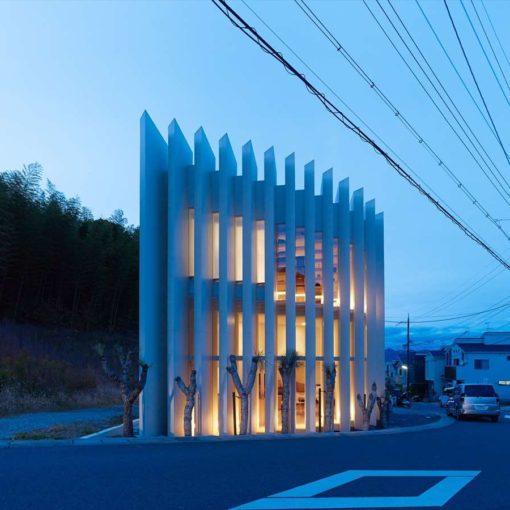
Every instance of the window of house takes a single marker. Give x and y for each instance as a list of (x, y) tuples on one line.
[(481, 364)]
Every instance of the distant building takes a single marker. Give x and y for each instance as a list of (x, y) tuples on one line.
[(485, 359), (434, 372), (394, 370), (231, 264)]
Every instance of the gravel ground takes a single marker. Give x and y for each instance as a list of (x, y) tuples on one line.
[(11, 425)]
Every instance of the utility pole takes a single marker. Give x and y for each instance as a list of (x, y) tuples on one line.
[(408, 359)]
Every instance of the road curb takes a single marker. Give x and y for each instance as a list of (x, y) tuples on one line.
[(100, 438)]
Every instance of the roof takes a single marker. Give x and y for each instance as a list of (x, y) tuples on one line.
[(439, 353), (480, 347)]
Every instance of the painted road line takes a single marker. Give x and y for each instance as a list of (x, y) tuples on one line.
[(304, 496)]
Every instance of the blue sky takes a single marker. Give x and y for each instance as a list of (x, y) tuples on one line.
[(76, 76)]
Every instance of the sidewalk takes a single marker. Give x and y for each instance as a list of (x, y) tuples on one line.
[(29, 422), (419, 418)]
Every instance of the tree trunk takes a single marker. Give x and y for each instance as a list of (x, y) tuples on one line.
[(285, 400), (243, 429), (188, 413), (330, 375), (189, 392), (127, 419), (243, 390)]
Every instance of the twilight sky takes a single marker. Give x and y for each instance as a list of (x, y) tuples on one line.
[(76, 76)]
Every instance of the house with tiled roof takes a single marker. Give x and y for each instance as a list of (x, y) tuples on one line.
[(484, 359)]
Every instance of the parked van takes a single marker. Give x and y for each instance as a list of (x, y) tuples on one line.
[(474, 400)]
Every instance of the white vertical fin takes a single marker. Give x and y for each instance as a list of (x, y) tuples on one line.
[(153, 275), (180, 159), (269, 288), (227, 172), (204, 166), (310, 405), (344, 264)]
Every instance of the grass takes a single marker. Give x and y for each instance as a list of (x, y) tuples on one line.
[(16, 401), (69, 430)]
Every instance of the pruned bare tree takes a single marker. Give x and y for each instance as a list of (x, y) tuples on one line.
[(381, 402), (369, 407), (130, 380), (189, 392), (329, 403), (243, 390), (287, 367)]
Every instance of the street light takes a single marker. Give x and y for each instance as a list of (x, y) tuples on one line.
[(406, 369)]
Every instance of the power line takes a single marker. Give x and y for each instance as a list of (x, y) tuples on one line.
[(314, 18), (451, 100), (496, 310), (501, 187), (447, 55), (466, 292), (473, 75), (447, 319), (250, 32), (367, 127), (495, 33), (489, 41), (483, 50)]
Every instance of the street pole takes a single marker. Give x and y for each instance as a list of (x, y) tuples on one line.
[(408, 364)]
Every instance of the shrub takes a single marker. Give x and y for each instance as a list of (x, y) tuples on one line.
[(43, 376)]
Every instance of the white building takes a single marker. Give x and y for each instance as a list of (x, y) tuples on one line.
[(232, 263), (395, 369), (481, 360), (434, 372)]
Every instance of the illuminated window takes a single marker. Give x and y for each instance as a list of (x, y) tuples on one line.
[(239, 333), (191, 242), (280, 262), (319, 297), (215, 245), (300, 265), (336, 274), (238, 245), (260, 276), (504, 383), (281, 335)]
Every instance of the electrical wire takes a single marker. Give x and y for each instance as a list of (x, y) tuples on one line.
[(495, 33), (367, 127), (252, 34), (339, 47), (454, 67), (456, 317), (473, 74), (484, 52), (490, 44), (501, 189)]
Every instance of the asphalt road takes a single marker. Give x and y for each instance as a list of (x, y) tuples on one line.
[(222, 475)]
